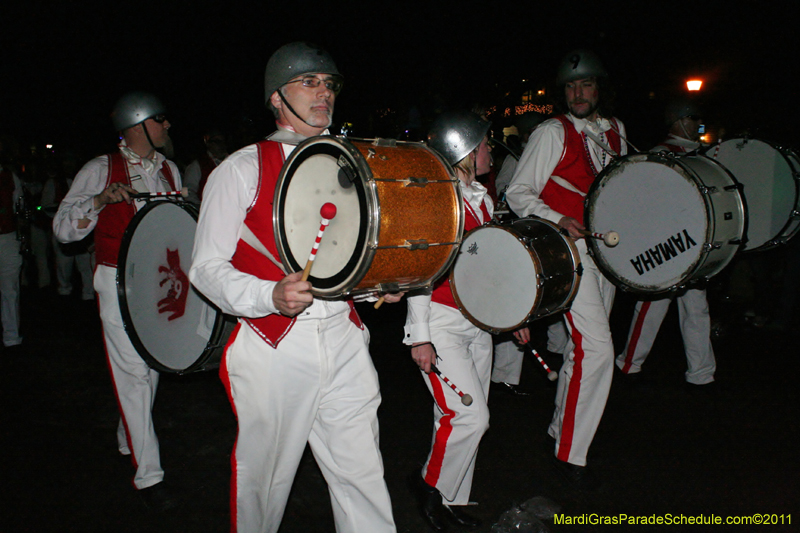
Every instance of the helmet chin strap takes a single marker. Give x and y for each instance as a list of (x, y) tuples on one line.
[(289, 106)]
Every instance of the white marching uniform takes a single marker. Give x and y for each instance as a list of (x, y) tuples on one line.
[(693, 315), (134, 382), (10, 267), (315, 385), (585, 377), (464, 356)]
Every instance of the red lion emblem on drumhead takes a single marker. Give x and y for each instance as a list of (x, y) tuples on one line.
[(175, 302)]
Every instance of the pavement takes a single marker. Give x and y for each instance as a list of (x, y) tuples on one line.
[(663, 450)]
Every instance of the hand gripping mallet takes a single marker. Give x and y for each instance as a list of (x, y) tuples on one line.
[(327, 212), (466, 399), (611, 238), (552, 376)]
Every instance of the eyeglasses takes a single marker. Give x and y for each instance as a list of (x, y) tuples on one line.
[(159, 118), (333, 84)]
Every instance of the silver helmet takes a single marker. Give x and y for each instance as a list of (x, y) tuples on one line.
[(679, 108), (578, 65), (295, 59), (134, 108), (455, 134)]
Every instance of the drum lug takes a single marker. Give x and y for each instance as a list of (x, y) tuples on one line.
[(416, 182), (735, 187), (737, 242), (388, 287), (708, 190), (712, 246), (421, 244), (579, 270)]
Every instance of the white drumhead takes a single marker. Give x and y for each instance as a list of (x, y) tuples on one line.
[(495, 278), (769, 187), (661, 218), (315, 182), (167, 320)]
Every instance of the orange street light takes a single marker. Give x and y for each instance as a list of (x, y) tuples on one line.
[(694, 85)]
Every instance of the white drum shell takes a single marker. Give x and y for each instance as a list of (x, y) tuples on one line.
[(679, 219)]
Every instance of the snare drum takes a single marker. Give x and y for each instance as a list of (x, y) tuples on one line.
[(679, 219), (770, 178), (399, 215), (510, 273), (170, 324)]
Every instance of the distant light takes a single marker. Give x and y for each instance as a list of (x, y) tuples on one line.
[(48, 146), (694, 85), (540, 92)]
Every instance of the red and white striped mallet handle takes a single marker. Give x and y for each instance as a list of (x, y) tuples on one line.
[(552, 376), (145, 195), (611, 238), (466, 399), (327, 212)]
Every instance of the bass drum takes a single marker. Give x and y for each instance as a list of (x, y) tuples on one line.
[(770, 177), (510, 273), (170, 324), (399, 215), (679, 219)]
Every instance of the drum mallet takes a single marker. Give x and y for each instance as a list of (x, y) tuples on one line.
[(147, 195), (466, 399), (327, 212), (552, 376), (611, 238)]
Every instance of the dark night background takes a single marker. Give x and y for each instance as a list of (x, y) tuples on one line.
[(66, 63)]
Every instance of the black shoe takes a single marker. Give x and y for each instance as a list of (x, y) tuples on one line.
[(578, 477), (501, 387), (430, 502), (456, 515), (158, 498)]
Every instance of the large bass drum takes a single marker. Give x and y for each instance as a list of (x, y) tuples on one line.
[(510, 273), (170, 324), (679, 219), (399, 215), (770, 176)]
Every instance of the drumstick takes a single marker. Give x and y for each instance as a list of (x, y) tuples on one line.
[(379, 302), (466, 399), (552, 376), (611, 238), (327, 212)]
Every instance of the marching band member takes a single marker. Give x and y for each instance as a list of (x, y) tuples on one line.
[(559, 164), (439, 334), (684, 120), (10, 257), (100, 200), (297, 369)]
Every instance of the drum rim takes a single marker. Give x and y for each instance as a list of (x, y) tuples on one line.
[(127, 321), (785, 233), (690, 275), (531, 315)]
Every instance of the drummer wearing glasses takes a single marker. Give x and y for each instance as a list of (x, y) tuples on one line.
[(557, 167), (99, 200), (297, 369)]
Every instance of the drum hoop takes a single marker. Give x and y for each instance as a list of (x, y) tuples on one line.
[(593, 245), (127, 319), (362, 258)]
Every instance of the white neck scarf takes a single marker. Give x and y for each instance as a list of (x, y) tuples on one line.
[(148, 164)]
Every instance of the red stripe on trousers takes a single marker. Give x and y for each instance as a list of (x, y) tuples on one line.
[(637, 331), (442, 434), (226, 382), (573, 392)]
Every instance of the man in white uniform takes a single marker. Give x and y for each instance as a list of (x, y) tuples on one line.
[(100, 200), (10, 258), (297, 369), (683, 119), (560, 163)]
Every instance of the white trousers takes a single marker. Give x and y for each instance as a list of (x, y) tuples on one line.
[(695, 323), (10, 267), (64, 266), (134, 383), (507, 366), (585, 377), (319, 386), (465, 358)]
